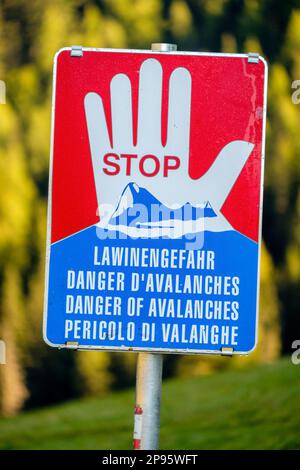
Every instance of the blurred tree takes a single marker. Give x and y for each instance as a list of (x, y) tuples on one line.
[(12, 387), (16, 196)]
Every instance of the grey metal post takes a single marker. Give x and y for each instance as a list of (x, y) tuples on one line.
[(149, 374), (147, 408), (163, 47)]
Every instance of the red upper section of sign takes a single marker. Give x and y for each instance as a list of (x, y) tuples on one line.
[(227, 105)]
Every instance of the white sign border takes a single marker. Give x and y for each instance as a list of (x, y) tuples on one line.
[(49, 210)]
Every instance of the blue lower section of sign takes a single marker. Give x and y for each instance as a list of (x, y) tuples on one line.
[(170, 294)]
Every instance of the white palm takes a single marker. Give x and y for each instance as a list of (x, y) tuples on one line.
[(178, 188)]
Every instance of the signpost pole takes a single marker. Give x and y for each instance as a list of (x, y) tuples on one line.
[(149, 374), (147, 408)]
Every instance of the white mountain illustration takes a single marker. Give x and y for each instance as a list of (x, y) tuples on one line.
[(139, 214)]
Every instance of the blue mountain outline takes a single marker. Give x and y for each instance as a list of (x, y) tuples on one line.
[(144, 204)]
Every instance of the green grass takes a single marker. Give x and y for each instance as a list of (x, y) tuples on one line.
[(257, 408)]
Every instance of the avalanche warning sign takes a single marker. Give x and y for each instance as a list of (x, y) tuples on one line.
[(155, 201)]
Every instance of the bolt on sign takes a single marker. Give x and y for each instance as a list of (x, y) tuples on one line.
[(155, 201)]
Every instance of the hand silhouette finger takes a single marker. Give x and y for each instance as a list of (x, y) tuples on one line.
[(223, 173), (121, 107), (149, 108), (179, 110), (96, 123)]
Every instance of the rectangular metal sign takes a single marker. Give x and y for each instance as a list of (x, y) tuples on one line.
[(155, 201)]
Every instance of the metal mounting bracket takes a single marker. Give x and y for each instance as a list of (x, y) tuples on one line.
[(253, 57), (75, 344), (226, 351), (76, 51)]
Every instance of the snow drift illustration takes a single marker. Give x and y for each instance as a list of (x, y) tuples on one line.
[(139, 214)]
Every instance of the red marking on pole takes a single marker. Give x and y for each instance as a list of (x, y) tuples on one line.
[(137, 432), (136, 444), (138, 410)]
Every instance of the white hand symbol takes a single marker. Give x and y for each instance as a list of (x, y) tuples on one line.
[(177, 187)]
